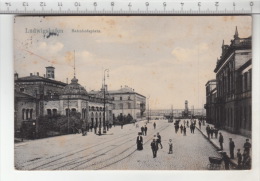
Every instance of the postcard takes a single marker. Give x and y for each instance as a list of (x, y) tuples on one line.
[(133, 93)]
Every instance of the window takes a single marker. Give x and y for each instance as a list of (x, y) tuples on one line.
[(49, 112), (23, 114), (121, 98), (67, 112), (129, 98), (21, 89), (54, 112)]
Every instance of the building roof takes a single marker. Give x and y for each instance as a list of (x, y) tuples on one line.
[(36, 78), (236, 44), (74, 88), (124, 90)]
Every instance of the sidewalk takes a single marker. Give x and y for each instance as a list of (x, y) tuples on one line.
[(238, 140)]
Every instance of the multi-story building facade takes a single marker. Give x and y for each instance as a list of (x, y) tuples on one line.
[(232, 99), (127, 101)]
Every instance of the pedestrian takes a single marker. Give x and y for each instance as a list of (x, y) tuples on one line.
[(145, 130), (95, 129), (231, 148), (159, 140), (142, 130), (239, 159), (176, 127), (154, 146), (170, 146), (181, 127), (211, 132), (200, 124), (154, 125), (184, 131), (246, 163), (226, 160), (247, 146), (208, 131), (221, 141), (139, 141), (87, 128), (191, 128), (188, 123), (122, 125), (83, 131), (216, 133)]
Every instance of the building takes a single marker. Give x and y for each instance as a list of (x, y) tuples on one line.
[(232, 97), (127, 101), (186, 113), (211, 92), (37, 96)]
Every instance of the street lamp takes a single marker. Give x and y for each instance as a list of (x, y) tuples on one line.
[(148, 109)]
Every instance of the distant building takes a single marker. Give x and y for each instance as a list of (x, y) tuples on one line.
[(186, 113), (127, 101), (232, 99)]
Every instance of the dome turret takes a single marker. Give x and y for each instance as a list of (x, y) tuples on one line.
[(74, 88)]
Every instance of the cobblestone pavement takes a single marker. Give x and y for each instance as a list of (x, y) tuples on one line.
[(116, 150)]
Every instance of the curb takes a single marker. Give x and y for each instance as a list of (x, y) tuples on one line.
[(233, 163)]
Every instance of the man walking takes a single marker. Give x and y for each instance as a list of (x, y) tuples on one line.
[(154, 125), (145, 130), (221, 140), (142, 130), (154, 146), (159, 140), (231, 148), (247, 146), (208, 131)]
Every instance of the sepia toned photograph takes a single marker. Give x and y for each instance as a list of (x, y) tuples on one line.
[(133, 93)]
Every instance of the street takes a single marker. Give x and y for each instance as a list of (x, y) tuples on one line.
[(116, 151)]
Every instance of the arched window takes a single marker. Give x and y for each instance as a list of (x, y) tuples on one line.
[(27, 114), (49, 112), (23, 113), (54, 112), (31, 111), (67, 112)]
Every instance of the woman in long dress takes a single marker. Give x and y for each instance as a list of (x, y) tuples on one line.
[(139, 141)]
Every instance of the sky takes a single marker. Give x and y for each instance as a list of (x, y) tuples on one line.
[(166, 58)]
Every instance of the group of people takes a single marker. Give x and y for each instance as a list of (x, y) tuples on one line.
[(157, 140), (243, 160), (144, 130), (211, 131)]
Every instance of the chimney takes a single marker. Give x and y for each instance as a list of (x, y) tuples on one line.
[(38, 74), (31, 74), (50, 72)]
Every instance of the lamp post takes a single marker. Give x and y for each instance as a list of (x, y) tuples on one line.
[(104, 88), (148, 109)]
